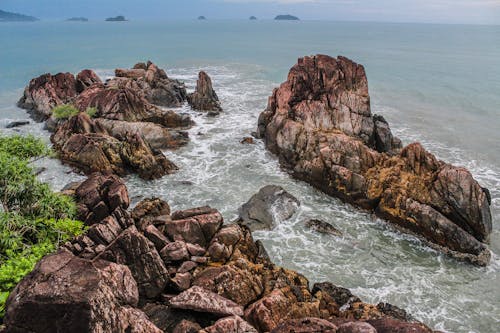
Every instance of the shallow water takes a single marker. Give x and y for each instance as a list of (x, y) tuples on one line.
[(435, 84)]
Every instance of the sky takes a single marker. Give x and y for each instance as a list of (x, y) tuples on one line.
[(431, 11)]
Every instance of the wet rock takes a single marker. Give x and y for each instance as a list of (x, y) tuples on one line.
[(306, 325), (247, 140), (320, 125), (356, 327), (200, 300), (101, 299), (204, 97), (267, 208), (232, 324), (322, 227), (47, 91), (18, 123)]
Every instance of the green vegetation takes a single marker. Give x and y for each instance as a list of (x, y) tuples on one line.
[(67, 111), (33, 219), (64, 111)]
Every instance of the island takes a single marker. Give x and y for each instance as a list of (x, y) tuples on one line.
[(287, 17), (77, 19), (252, 18), (14, 17), (119, 18), (202, 17)]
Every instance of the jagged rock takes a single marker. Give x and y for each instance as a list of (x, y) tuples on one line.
[(168, 319), (82, 143), (204, 97), (320, 125), (152, 83), (186, 326), (389, 325), (86, 79), (322, 227), (198, 229), (102, 298), (201, 300), (47, 91), (306, 325), (247, 140), (232, 324), (267, 208)]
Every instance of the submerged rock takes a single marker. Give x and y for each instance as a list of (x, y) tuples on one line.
[(18, 123), (204, 97), (267, 208), (322, 227), (320, 125)]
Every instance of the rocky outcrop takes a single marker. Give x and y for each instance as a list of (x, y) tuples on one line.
[(150, 270), (320, 125), (86, 145), (152, 83), (267, 208), (47, 91), (204, 97)]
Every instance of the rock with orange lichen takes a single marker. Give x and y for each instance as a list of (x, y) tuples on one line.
[(320, 125)]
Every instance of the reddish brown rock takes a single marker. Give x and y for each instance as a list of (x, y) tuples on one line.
[(201, 300), (86, 79), (47, 91), (389, 325), (356, 327), (230, 325), (320, 125), (204, 97), (82, 143), (51, 299), (306, 325)]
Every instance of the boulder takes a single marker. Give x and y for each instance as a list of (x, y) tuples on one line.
[(306, 325), (320, 125), (356, 327), (204, 97), (67, 294), (232, 324), (267, 208), (47, 91), (86, 79), (201, 300)]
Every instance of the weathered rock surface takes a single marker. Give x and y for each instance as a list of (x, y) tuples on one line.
[(134, 272), (47, 91), (322, 227), (153, 84), (320, 125), (204, 97), (267, 208), (85, 144)]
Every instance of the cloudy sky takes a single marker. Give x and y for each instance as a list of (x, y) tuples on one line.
[(437, 11)]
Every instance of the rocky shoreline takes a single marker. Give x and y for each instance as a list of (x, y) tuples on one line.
[(147, 269), (150, 270)]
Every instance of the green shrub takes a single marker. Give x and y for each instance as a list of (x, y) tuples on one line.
[(64, 111), (33, 220), (91, 111)]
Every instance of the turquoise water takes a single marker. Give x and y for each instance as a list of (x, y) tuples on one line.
[(438, 84)]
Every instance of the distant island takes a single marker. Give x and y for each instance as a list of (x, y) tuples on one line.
[(286, 18), (119, 18), (252, 18), (78, 19), (202, 17), (14, 17)]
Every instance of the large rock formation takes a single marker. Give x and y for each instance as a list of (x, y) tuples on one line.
[(320, 125), (204, 97), (127, 130), (152, 271), (85, 144)]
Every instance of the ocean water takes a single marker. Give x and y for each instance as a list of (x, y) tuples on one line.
[(437, 84)]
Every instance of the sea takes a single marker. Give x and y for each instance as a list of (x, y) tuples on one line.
[(436, 84)]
